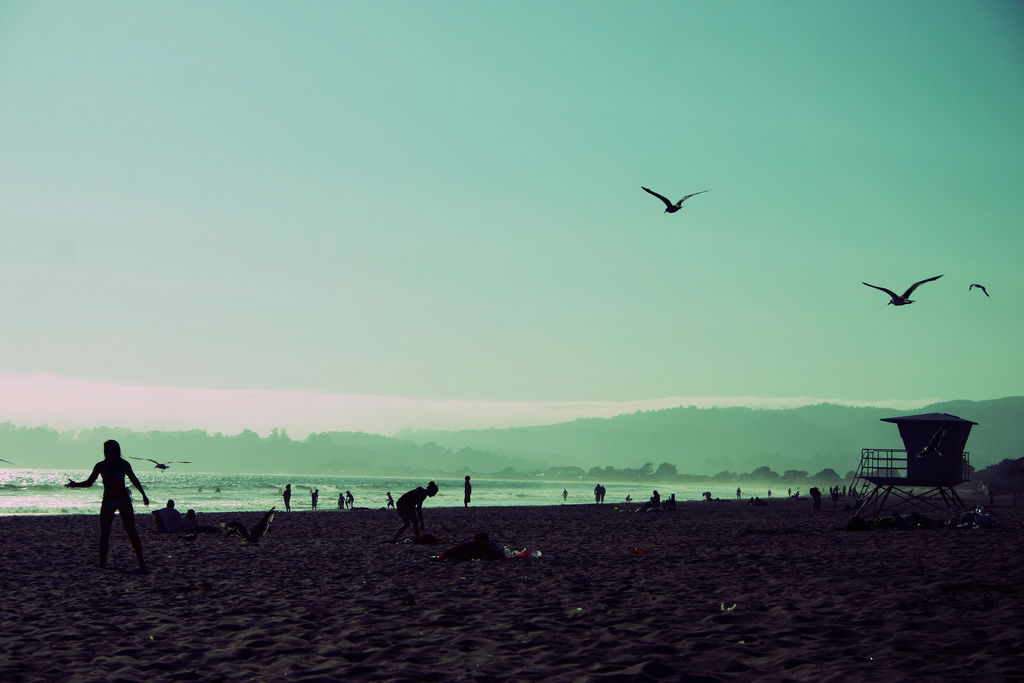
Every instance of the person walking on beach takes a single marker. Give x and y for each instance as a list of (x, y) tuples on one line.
[(314, 495), (391, 501), (341, 500), (287, 495), (816, 495), (410, 509), (468, 493), (739, 493), (350, 500), (113, 469), (565, 494)]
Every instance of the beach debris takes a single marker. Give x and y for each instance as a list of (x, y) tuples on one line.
[(981, 287), (669, 206), (639, 551), (978, 518), (727, 608), (258, 531), (524, 554), (898, 300), (162, 465)]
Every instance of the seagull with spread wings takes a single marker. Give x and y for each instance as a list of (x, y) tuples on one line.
[(6, 461), (257, 532), (898, 300), (164, 466), (981, 287), (933, 445), (669, 206)]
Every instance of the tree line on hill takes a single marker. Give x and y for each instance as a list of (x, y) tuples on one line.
[(670, 473), (331, 453)]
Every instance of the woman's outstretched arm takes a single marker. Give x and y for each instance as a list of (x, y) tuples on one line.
[(88, 482)]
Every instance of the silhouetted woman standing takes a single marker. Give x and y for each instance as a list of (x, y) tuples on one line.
[(113, 469)]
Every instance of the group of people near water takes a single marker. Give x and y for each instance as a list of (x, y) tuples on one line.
[(346, 501), (114, 470)]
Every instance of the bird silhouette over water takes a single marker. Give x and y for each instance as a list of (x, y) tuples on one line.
[(258, 531), (903, 300), (981, 287), (933, 446), (164, 466), (6, 461), (669, 206)]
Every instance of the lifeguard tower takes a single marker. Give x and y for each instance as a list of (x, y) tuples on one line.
[(922, 475)]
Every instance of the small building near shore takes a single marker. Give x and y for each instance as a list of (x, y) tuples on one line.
[(927, 470)]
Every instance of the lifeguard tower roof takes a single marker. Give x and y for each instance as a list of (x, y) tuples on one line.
[(917, 432), (927, 417)]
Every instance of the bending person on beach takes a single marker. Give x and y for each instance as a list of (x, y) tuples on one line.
[(113, 469), (410, 509)]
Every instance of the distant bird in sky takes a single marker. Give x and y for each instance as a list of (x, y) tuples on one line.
[(898, 300), (164, 466), (981, 287), (257, 532), (933, 445), (6, 461), (669, 206)]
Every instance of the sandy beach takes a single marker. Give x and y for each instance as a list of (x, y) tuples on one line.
[(723, 591)]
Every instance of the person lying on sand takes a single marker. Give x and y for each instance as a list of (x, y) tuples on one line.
[(410, 509), (190, 524), (480, 548)]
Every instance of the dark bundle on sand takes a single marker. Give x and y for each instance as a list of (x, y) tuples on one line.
[(256, 533), (480, 548)]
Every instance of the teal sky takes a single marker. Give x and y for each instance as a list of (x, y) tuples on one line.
[(441, 200)]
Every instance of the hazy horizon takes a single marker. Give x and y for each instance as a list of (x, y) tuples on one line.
[(67, 403), (422, 215)]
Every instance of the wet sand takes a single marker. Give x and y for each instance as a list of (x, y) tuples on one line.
[(724, 591)]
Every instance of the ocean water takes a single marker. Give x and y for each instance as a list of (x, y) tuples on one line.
[(42, 491)]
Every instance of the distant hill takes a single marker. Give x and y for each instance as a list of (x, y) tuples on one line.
[(695, 440), (711, 440)]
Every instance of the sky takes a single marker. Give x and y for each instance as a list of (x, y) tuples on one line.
[(352, 208)]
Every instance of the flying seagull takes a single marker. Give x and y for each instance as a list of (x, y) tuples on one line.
[(669, 206), (257, 532), (933, 445), (898, 300), (163, 466), (6, 461), (981, 287)]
